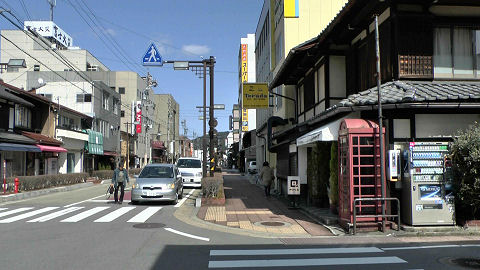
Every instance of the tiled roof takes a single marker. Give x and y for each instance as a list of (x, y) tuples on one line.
[(408, 92), (42, 139), (413, 92)]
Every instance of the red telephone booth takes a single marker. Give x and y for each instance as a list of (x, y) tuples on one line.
[(359, 169)]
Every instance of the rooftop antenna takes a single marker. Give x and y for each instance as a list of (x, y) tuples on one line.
[(52, 3)]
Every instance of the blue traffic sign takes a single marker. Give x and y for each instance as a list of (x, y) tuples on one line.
[(152, 57)]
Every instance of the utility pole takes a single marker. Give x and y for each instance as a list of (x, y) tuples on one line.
[(204, 137), (380, 121), (168, 129), (212, 118), (52, 3)]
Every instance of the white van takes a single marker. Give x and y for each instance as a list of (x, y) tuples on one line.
[(191, 170)]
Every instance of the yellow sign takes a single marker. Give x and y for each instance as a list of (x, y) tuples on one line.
[(290, 8), (244, 63), (255, 96)]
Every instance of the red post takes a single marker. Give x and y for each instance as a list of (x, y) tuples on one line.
[(17, 183)]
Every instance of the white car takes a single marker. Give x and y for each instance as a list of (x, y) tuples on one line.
[(252, 167), (191, 170)]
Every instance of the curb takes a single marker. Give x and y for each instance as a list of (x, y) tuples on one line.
[(36, 193)]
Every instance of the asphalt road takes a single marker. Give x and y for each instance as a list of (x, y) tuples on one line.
[(80, 230)]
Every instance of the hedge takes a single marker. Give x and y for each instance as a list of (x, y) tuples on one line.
[(103, 174), (28, 183), (212, 187)]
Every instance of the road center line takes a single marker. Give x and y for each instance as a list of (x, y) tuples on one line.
[(83, 201), (184, 199), (187, 235)]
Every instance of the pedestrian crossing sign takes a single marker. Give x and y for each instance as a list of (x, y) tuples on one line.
[(152, 56)]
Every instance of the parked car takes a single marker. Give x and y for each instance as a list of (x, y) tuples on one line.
[(191, 170), (158, 182), (252, 167)]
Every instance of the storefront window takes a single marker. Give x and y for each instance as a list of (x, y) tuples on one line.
[(15, 162)]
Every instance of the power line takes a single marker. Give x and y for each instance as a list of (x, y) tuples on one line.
[(65, 61)]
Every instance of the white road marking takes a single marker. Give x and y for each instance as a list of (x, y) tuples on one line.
[(55, 214), (249, 252), (145, 214), (115, 214), (420, 247), (27, 215), (187, 235), (304, 262), (83, 201), (107, 201), (3, 209), (14, 211), (184, 199), (85, 214)]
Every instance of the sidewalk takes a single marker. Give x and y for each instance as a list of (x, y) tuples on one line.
[(247, 208)]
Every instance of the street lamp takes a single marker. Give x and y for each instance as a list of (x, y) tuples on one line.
[(200, 69)]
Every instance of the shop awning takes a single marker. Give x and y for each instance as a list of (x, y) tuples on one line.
[(18, 147), (49, 148), (94, 145), (326, 133)]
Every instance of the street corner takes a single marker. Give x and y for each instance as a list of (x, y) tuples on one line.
[(261, 222)]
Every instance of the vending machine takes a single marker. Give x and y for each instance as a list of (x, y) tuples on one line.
[(427, 184)]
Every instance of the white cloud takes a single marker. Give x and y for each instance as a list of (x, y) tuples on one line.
[(196, 49), (110, 31)]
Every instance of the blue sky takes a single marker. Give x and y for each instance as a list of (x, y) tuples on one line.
[(181, 29)]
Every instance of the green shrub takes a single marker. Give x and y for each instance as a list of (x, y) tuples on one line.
[(135, 171), (103, 174), (466, 165), (28, 183), (212, 187)]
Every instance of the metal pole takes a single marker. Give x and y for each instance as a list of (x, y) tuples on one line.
[(204, 137), (212, 117), (128, 148), (380, 121)]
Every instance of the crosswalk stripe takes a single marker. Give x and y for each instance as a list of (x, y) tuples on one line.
[(247, 252), (14, 211), (3, 209), (27, 215), (55, 214), (85, 214), (303, 262), (145, 214), (115, 214)]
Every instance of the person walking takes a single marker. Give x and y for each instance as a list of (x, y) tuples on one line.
[(120, 176), (266, 174)]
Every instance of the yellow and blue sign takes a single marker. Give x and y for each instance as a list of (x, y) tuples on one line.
[(290, 8)]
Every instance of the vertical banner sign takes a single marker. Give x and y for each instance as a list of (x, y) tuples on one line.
[(244, 120), (244, 80), (244, 63), (138, 117)]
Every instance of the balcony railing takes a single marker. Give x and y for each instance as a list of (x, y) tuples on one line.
[(415, 66)]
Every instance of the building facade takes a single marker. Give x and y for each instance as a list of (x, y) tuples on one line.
[(429, 85), (281, 26)]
